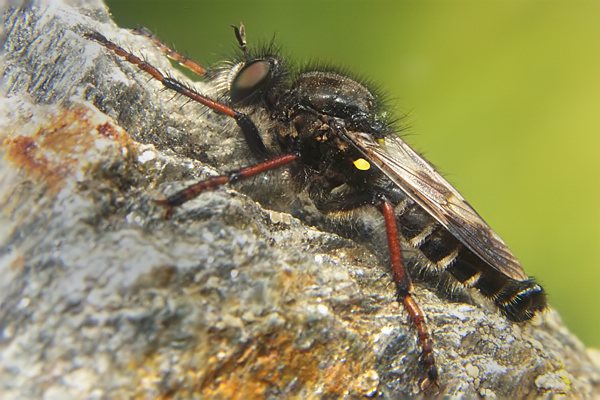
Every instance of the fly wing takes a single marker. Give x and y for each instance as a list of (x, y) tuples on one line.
[(423, 184)]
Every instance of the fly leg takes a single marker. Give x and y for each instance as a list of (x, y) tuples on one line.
[(214, 182), (249, 130), (172, 53), (404, 289)]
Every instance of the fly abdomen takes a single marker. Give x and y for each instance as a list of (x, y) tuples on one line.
[(424, 233), (518, 300)]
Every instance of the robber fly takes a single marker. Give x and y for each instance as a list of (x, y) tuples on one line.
[(332, 134)]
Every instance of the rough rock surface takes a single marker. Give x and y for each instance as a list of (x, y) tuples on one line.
[(102, 297)]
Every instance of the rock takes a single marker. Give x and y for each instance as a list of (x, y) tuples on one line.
[(103, 297)]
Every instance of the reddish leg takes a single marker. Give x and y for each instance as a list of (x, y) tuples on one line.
[(404, 288), (159, 76), (171, 53), (246, 125), (194, 190)]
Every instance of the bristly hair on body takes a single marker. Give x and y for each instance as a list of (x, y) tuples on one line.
[(333, 135)]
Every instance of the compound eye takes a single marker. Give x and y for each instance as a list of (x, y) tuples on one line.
[(250, 80)]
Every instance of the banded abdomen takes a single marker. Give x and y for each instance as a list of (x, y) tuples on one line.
[(518, 300)]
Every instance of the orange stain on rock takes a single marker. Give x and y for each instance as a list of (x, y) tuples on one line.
[(108, 130), (17, 263), (267, 365), (59, 145), (24, 152)]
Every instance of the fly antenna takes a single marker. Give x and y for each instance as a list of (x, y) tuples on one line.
[(240, 35)]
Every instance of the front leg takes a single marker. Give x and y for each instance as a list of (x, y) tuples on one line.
[(214, 182), (248, 128)]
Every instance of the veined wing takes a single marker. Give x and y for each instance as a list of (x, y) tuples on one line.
[(423, 184)]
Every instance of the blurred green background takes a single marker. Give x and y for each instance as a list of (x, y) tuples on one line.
[(503, 96)]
